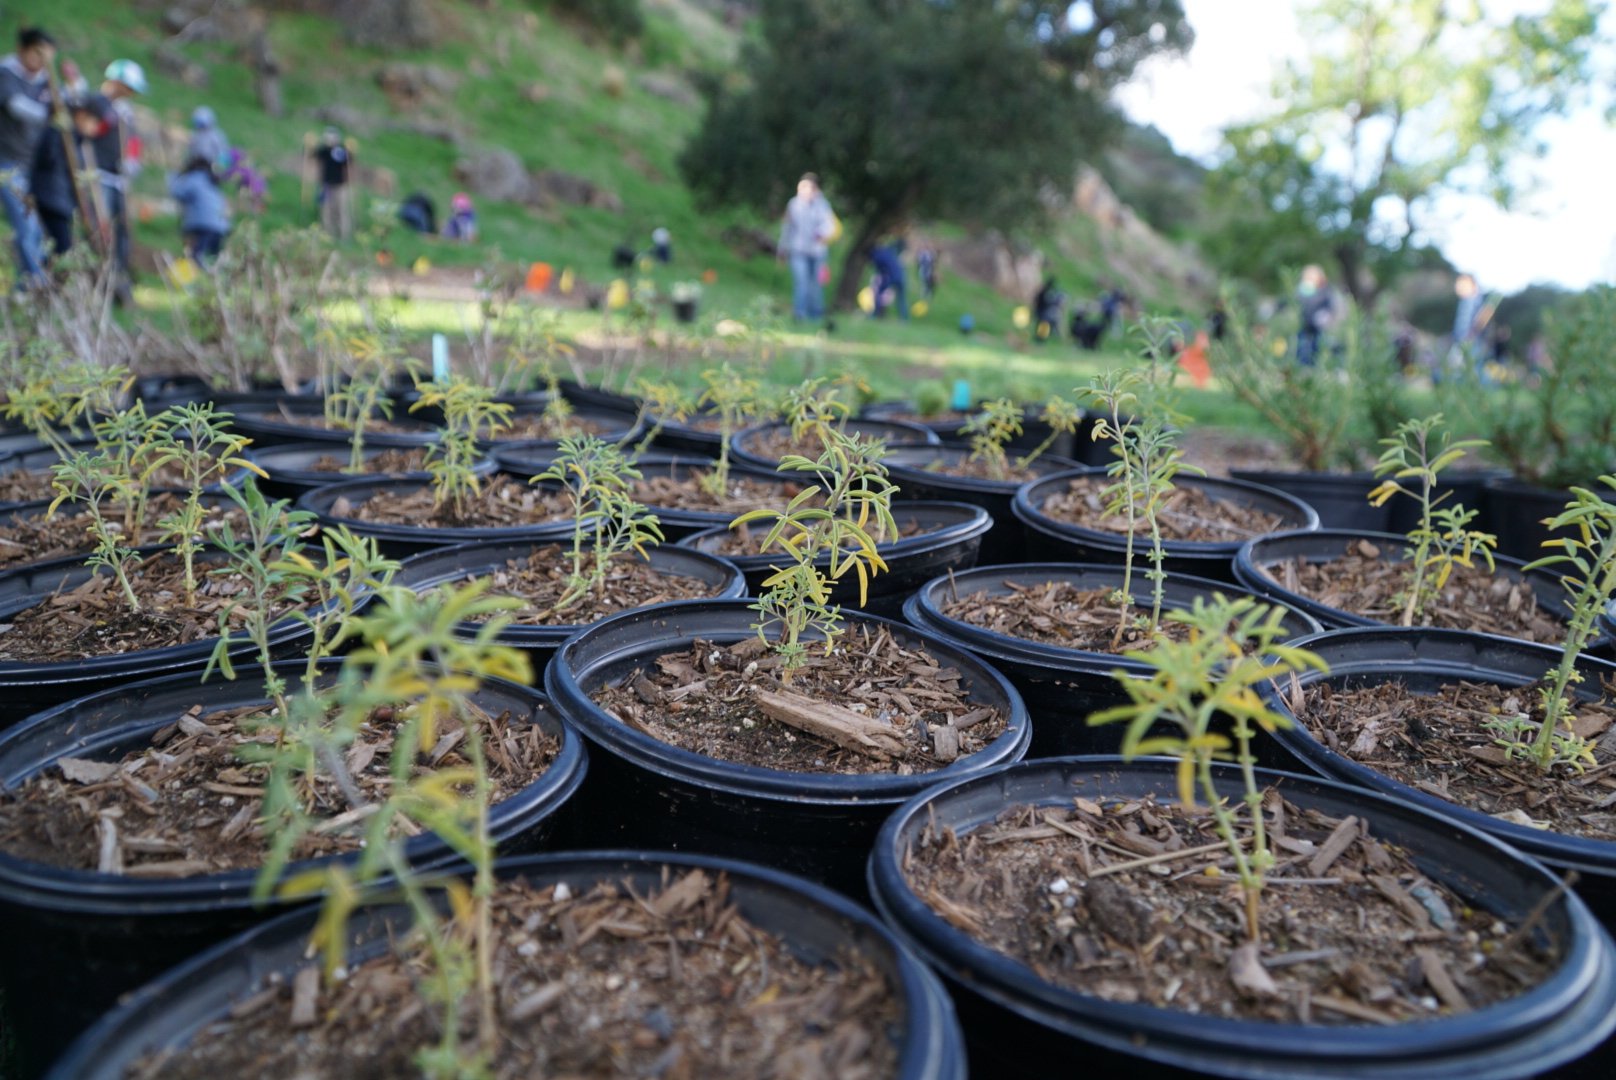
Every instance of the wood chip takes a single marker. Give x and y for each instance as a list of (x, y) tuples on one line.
[(233, 789), (1438, 979), (681, 896), (305, 997), (975, 716), (946, 743), (84, 771), (1341, 839), (1411, 909), (1348, 1007), (111, 855), (1248, 974), (844, 727), (176, 868), (531, 1005)]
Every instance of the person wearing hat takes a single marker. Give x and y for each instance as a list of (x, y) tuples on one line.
[(207, 141), (333, 158), (24, 109), (462, 223), (104, 128)]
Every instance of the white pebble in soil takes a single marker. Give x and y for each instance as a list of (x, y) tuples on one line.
[(1059, 885)]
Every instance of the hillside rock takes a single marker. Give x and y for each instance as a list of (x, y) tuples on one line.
[(389, 25), (669, 88), (1013, 269), (1134, 251), (495, 174), (551, 186), (408, 85)]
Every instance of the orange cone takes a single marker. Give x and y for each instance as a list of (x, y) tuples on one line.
[(1192, 358), (538, 277)]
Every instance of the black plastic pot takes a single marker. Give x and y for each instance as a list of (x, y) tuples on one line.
[(1034, 428), (955, 536), (614, 426), (541, 642), (405, 541), (598, 397), (267, 427), (684, 438), (1341, 499), (292, 475), (1010, 1014), (28, 687), (816, 924), (743, 447), (676, 523), (1049, 540), (1323, 545), (1515, 513), (1466, 488), (909, 467), (1424, 660), (77, 940), (684, 311), (1063, 686), (646, 793)]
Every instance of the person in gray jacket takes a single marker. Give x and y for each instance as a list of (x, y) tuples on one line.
[(204, 209), (804, 234), (24, 109), (207, 141)]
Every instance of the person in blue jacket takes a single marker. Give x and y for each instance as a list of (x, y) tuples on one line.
[(890, 279), (204, 209)]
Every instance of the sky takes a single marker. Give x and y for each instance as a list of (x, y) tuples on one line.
[(1564, 233)]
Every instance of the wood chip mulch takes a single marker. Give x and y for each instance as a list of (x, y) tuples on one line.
[(1187, 515), (502, 505), (27, 486), (980, 469), (740, 494), (1138, 901), (188, 803), (94, 619), (1058, 613), (1473, 599), (389, 461), (674, 984), (527, 426), (40, 538), (540, 580), (895, 709), (376, 425), (1436, 743)]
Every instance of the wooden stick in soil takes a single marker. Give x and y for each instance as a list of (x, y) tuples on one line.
[(1538, 911), (844, 727)]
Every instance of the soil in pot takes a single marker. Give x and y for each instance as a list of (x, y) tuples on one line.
[(31, 537), (772, 442), (391, 461), (1473, 599), (871, 707), (31, 485), (1438, 743), (674, 982), (741, 494), (540, 581), (981, 469), (1059, 613), (95, 619), (502, 504), (1188, 515), (188, 803), (538, 426), (376, 425), (1137, 902)]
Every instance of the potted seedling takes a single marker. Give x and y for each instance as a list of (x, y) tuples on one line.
[(412, 516), (1200, 521), (1442, 574), (685, 296), (917, 539), (311, 770), (1057, 630), (774, 685), (808, 412), (1259, 923), (615, 560)]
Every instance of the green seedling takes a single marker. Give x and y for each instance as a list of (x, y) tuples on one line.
[(352, 406), (469, 412), (1233, 647), (857, 502), (1440, 541), (734, 397), (1589, 561), (660, 402), (262, 555), (57, 399), (137, 446), (606, 522), (96, 480), (990, 431), (414, 665), (1062, 417), (198, 442)]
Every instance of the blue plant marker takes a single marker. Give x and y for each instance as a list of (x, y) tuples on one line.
[(440, 357), (962, 396)]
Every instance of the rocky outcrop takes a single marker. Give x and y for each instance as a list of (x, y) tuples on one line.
[(388, 25), (495, 174)]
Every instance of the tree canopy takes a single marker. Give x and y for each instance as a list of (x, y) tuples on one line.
[(964, 110), (1396, 101)]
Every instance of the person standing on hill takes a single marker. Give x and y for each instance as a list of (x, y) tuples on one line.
[(50, 182), (204, 209), (104, 128), (1315, 301), (24, 93), (805, 234), (207, 141), (333, 158)]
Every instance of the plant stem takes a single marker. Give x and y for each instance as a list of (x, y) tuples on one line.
[(1225, 827)]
